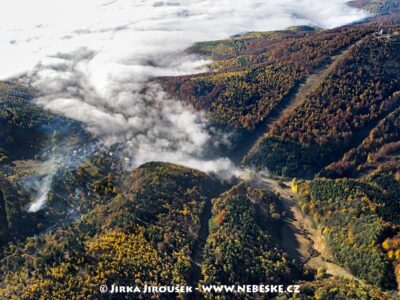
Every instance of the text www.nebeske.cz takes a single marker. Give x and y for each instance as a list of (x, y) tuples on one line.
[(219, 289)]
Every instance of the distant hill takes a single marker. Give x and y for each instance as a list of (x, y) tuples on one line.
[(317, 107), (377, 6)]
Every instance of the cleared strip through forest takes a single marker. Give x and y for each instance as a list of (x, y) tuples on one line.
[(299, 237), (313, 80), (295, 98), (197, 254)]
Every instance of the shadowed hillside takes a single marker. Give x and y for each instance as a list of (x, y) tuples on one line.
[(313, 113)]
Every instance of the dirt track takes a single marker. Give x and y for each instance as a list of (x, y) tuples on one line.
[(299, 236)]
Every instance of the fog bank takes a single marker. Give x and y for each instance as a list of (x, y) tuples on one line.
[(91, 61)]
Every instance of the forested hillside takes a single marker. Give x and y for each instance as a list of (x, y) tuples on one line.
[(363, 89), (256, 76), (344, 107), (257, 71), (340, 124), (355, 217), (377, 6), (30, 139), (379, 151), (147, 235), (318, 108), (242, 225)]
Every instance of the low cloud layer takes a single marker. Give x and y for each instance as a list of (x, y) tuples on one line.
[(92, 59)]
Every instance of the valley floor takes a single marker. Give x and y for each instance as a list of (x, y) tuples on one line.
[(299, 236)]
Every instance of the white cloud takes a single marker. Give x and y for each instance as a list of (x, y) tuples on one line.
[(92, 59)]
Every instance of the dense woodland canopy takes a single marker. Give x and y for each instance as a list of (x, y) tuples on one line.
[(362, 89), (146, 235), (380, 150), (258, 71), (346, 127), (142, 236), (354, 218), (377, 6), (164, 224), (242, 223)]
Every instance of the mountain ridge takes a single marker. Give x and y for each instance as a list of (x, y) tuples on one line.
[(163, 224)]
